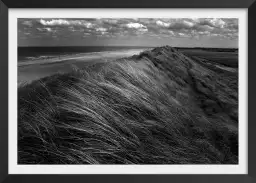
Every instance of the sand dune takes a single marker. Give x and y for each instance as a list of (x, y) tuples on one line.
[(159, 107)]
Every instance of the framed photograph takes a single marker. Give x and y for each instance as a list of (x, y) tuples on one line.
[(126, 91)]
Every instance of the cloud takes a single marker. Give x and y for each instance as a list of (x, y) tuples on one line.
[(188, 24), (111, 21), (195, 27), (27, 23), (136, 29), (212, 22), (63, 22), (183, 35), (163, 27), (54, 22), (203, 32), (128, 27), (135, 25), (162, 24), (45, 29), (101, 29), (217, 22), (178, 24), (182, 25), (143, 30)]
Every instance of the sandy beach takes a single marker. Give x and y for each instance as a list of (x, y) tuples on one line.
[(31, 70)]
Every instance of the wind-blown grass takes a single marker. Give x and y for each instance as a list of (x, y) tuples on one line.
[(121, 114)]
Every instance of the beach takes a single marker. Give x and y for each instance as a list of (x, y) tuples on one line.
[(31, 70)]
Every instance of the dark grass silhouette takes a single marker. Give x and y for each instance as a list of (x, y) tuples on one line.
[(141, 110)]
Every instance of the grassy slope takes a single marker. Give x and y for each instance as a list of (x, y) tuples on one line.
[(158, 107), (214, 90)]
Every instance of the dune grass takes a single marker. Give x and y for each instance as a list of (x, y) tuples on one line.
[(121, 114)]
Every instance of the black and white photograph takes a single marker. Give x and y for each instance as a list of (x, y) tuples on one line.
[(127, 91)]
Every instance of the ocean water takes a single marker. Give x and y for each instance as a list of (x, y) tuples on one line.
[(35, 53)]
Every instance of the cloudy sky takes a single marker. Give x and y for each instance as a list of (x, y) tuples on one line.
[(184, 32)]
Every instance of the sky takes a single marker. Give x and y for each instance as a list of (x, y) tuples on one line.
[(151, 32)]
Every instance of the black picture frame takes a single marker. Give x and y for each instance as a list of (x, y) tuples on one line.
[(250, 5)]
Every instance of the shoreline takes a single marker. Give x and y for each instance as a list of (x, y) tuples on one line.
[(82, 57), (33, 70)]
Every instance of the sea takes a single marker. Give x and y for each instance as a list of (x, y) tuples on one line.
[(37, 53)]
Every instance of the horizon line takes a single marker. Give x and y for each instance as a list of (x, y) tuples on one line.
[(133, 46)]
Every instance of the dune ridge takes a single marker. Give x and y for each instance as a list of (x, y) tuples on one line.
[(158, 107)]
